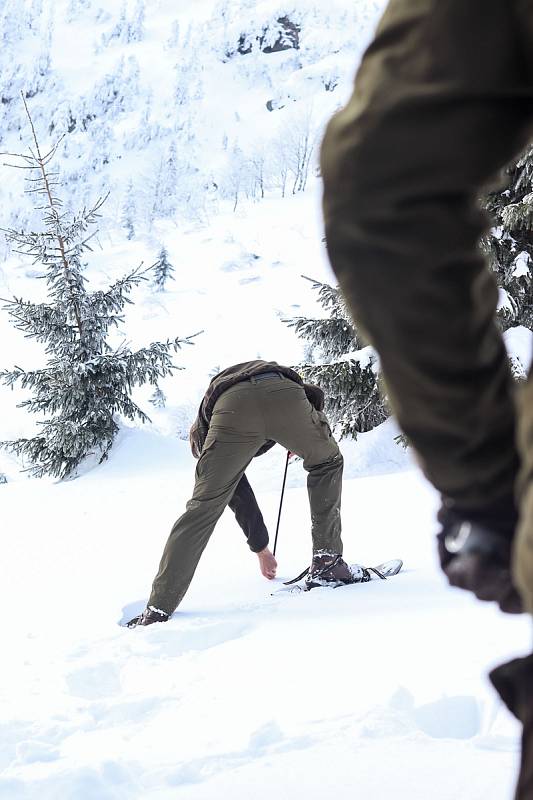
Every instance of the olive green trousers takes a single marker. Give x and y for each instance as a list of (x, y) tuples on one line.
[(244, 418), (442, 100)]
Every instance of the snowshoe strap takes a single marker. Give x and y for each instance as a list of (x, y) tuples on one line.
[(377, 572), (366, 570), (298, 577), (317, 575)]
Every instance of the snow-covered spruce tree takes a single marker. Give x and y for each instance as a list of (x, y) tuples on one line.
[(158, 399), (127, 28), (346, 371), (85, 383), (163, 185), (162, 271), (509, 244), (129, 212)]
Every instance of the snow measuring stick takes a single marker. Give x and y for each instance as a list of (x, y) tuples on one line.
[(281, 500)]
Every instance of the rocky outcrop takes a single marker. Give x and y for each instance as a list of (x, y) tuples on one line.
[(284, 34)]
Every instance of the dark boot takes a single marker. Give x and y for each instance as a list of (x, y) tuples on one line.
[(328, 569), (514, 683), (475, 554), (148, 617)]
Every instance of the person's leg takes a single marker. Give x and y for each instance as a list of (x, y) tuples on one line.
[(233, 439), (523, 547), (514, 683), (291, 420), (442, 100)]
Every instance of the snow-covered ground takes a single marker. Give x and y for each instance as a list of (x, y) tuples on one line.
[(376, 691)]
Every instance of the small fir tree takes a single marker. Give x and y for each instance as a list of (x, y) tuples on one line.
[(135, 29), (346, 372), (85, 383), (167, 178), (158, 399), (162, 271), (129, 212), (509, 244)]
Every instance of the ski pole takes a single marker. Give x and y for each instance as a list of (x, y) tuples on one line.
[(281, 500)]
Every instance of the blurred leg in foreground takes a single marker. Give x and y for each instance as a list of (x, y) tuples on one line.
[(442, 101)]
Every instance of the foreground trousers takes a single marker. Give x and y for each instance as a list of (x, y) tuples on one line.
[(244, 418), (443, 99)]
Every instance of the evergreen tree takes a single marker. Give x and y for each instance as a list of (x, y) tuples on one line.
[(117, 91), (85, 383), (346, 372), (509, 244), (119, 30), (167, 180), (135, 30), (158, 399), (174, 38), (162, 270), (129, 211)]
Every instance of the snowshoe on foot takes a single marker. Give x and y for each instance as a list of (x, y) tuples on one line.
[(381, 572), (148, 617), (328, 569)]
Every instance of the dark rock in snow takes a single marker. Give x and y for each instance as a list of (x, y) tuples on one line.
[(284, 35)]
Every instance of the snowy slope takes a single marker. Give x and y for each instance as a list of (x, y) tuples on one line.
[(157, 103), (374, 691)]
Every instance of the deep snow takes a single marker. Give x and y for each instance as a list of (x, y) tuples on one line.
[(372, 690)]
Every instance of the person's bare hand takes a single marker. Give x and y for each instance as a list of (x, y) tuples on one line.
[(267, 563)]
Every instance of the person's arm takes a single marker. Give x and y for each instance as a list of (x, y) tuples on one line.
[(315, 395), (248, 515), (197, 434)]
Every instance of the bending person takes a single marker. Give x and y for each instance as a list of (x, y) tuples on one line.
[(246, 409)]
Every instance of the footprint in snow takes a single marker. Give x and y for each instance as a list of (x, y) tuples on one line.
[(13, 735), (29, 742), (131, 610), (182, 635), (94, 682), (177, 641), (267, 739), (456, 717), (33, 751), (124, 712), (449, 718)]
